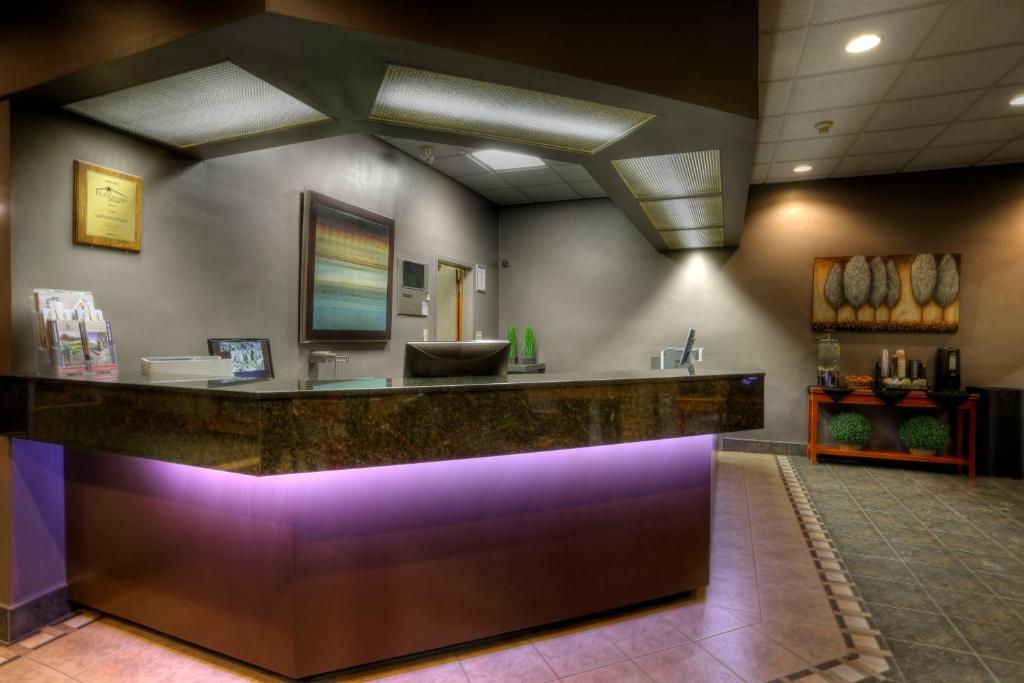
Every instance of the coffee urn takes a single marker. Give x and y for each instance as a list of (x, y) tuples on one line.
[(948, 371)]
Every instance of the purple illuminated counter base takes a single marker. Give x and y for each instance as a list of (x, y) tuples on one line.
[(307, 573)]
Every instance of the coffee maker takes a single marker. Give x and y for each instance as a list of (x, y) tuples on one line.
[(948, 370)]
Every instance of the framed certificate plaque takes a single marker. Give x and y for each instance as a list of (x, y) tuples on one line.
[(108, 207)]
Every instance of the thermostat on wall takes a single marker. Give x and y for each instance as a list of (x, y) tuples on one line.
[(481, 278)]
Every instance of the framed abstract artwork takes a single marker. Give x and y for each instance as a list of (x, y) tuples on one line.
[(346, 272), (905, 293)]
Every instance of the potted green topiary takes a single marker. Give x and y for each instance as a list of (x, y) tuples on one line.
[(529, 346), (850, 430), (513, 344), (924, 434)]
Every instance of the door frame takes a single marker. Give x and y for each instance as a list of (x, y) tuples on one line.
[(467, 312)]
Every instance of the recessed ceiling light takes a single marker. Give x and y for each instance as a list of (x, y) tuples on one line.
[(803, 168), (1017, 100), (423, 99), (694, 239), (212, 104), (672, 175), (863, 43), (500, 160), (684, 213)]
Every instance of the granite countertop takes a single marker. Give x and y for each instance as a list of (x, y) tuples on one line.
[(291, 388)]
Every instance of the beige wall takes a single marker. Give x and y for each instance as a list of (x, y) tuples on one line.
[(600, 297)]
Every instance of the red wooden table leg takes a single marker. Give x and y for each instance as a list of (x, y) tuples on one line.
[(812, 428), (973, 438), (960, 437)]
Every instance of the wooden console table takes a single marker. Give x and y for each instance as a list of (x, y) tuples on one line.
[(965, 427)]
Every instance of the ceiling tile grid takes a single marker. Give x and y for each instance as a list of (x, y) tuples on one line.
[(934, 93), (553, 182)]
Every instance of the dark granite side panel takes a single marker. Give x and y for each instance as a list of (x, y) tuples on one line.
[(22, 620), (208, 430), (275, 434), (301, 435)]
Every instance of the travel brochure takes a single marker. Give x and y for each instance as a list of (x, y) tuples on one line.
[(73, 331)]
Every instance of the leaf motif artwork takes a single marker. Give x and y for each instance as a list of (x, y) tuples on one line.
[(857, 281), (922, 278), (909, 293), (894, 286), (879, 282), (834, 287), (947, 282)]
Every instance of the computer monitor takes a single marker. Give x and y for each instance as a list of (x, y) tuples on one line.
[(250, 358), (684, 358), (456, 359)]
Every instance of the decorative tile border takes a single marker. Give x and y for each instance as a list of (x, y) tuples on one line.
[(869, 659), (46, 635), (760, 446)]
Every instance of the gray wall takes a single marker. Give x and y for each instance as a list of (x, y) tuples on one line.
[(601, 297), (220, 239)]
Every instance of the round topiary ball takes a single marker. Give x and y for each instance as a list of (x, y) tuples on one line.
[(924, 432), (850, 428)]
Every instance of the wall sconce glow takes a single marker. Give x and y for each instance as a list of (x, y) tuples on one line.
[(863, 43), (803, 168), (500, 160), (1017, 100), (212, 104), (672, 175), (684, 213), (694, 239), (424, 99)]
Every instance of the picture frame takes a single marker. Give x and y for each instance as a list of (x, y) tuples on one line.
[(107, 207), (250, 356), (887, 293), (346, 272)]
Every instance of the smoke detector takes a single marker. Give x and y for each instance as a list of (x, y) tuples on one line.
[(823, 127), (427, 154)]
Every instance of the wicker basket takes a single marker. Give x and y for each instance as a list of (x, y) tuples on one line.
[(859, 381)]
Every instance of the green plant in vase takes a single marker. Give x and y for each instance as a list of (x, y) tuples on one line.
[(513, 344), (851, 430), (924, 434), (529, 345)]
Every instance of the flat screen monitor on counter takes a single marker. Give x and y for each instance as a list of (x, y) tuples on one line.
[(456, 358), (250, 358)]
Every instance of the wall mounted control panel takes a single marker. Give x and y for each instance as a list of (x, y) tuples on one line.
[(412, 292)]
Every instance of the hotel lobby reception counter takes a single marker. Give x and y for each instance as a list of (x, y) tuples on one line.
[(311, 526)]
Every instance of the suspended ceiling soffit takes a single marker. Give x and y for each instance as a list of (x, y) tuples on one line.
[(338, 72)]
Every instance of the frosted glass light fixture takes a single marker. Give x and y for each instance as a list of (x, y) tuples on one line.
[(1017, 100), (694, 239), (684, 213), (863, 43), (500, 160), (424, 99), (803, 168), (672, 175), (211, 104)]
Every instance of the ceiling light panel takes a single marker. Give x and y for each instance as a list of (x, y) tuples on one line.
[(672, 175), (694, 239), (424, 99), (500, 160), (684, 213), (212, 104)]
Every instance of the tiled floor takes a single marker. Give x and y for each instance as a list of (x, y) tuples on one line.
[(765, 616), (940, 561)]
